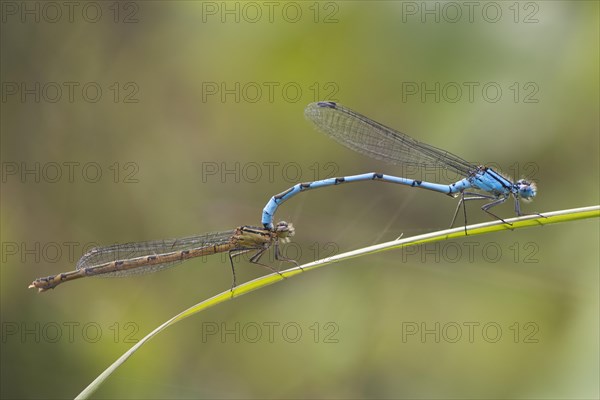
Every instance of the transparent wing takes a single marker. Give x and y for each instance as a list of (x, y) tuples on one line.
[(119, 252), (377, 141)]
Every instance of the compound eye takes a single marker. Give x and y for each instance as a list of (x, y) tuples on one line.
[(282, 225)]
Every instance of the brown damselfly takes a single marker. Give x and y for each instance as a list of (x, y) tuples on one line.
[(136, 258)]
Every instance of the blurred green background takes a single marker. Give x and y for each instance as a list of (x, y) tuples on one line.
[(200, 120)]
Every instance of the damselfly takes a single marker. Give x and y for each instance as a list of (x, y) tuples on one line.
[(375, 140), (137, 258)]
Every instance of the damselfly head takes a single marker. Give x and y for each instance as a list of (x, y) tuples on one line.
[(285, 231), (526, 189)]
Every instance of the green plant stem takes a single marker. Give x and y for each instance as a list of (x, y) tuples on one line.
[(479, 229)]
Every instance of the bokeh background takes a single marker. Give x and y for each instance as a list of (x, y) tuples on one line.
[(199, 120)]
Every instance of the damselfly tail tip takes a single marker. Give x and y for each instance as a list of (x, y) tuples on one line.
[(39, 285), (40, 290)]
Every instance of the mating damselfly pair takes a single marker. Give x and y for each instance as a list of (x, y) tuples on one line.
[(354, 131)]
